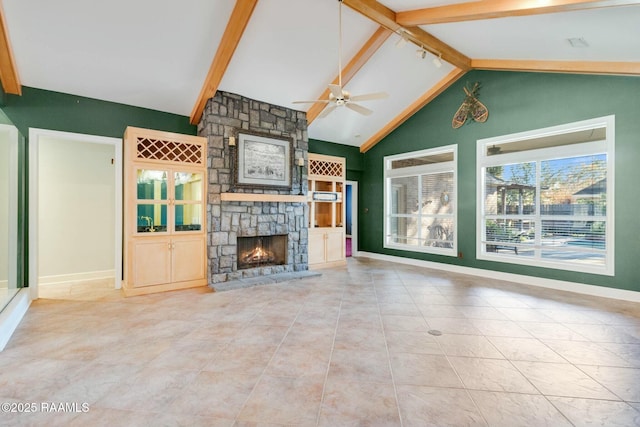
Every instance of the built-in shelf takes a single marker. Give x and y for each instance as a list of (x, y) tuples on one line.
[(251, 197)]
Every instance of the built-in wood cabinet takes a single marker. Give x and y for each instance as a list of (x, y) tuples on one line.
[(326, 179), (165, 187)]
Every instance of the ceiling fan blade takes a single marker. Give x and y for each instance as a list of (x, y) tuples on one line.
[(323, 101), (370, 96), (336, 91), (359, 108), (327, 111)]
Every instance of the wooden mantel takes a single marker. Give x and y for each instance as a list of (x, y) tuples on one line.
[(251, 197)]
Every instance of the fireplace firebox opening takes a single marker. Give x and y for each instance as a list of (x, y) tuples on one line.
[(260, 251)]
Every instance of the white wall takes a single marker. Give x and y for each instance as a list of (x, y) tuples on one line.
[(4, 208), (76, 208)]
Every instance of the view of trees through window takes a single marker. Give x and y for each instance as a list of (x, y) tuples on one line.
[(550, 207)]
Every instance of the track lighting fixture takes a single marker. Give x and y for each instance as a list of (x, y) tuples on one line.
[(437, 61), (402, 41), (421, 53)]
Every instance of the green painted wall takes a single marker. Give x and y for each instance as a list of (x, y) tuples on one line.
[(44, 109), (517, 102)]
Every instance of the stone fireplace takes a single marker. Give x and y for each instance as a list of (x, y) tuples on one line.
[(238, 212)]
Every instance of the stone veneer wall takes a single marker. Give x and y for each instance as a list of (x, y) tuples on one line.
[(225, 115)]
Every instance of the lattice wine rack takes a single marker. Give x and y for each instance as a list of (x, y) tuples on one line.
[(323, 167), (171, 151)]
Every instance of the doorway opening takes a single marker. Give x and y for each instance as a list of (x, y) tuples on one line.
[(351, 218), (75, 215)]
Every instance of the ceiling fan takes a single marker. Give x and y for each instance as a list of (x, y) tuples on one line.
[(338, 97)]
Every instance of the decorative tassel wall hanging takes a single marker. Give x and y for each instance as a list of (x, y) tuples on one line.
[(470, 106)]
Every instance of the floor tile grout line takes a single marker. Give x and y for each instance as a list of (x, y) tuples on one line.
[(261, 376), (601, 384), (559, 410), (546, 396), (333, 344), (466, 389), (386, 346)]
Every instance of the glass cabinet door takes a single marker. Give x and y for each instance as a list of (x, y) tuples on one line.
[(152, 201), (187, 211)]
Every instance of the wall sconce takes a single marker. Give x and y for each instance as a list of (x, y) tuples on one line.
[(300, 162), (232, 141)]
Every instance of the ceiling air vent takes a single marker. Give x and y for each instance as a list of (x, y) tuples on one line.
[(578, 42)]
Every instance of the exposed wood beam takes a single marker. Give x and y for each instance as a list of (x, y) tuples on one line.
[(386, 17), (576, 67), (375, 11), (427, 97), (498, 9), (238, 21), (350, 70), (8, 70)]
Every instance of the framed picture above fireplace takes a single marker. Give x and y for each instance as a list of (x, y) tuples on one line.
[(263, 161)]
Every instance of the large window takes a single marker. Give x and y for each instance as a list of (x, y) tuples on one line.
[(420, 201), (545, 197)]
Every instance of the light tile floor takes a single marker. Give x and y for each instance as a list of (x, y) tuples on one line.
[(350, 348)]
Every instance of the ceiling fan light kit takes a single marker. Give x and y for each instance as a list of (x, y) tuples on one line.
[(338, 97)]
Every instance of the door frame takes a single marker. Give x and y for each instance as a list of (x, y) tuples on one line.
[(354, 216), (34, 145)]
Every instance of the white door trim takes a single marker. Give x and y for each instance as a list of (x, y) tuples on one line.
[(34, 144), (354, 217)]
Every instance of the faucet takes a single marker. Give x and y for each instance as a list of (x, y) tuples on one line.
[(149, 222)]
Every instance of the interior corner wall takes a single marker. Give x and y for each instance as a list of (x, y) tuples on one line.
[(517, 102)]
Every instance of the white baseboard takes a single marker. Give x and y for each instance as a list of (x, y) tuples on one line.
[(12, 314), (75, 277), (560, 285), (4, 283)]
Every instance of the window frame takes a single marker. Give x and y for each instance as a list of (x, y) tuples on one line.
[(418, 171), (602, 146)]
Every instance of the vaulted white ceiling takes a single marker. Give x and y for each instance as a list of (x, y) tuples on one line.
[(157, 53)]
